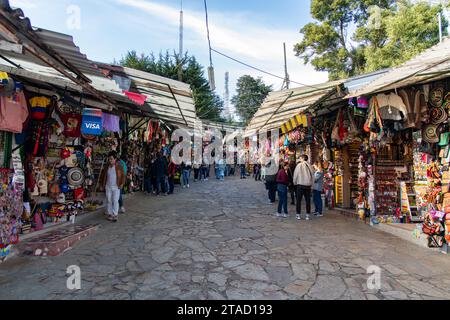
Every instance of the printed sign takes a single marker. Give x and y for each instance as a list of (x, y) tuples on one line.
[(92, 122)]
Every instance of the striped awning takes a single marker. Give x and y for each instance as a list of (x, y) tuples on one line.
[(300, 120)]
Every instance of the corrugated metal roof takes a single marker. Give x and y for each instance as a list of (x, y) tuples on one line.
[(167, 99), (31, 70), (433, 64), (281, 106), (64, 45)]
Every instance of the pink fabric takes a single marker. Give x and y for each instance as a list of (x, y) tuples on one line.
[(13, 113), (136, 97)]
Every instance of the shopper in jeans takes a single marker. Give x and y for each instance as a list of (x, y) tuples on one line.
[(171, 172), (123, 162), (271, 186), (186, 169), (303, 181), (112, 180), (292, 191), (282, 187), (161, 168), (318, 188)]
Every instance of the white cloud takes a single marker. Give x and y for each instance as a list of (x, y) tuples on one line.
[(237, 36), (24, 4)]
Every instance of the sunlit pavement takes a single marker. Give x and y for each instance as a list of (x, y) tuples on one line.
[(222, 240)]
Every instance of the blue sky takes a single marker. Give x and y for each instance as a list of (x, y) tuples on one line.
[(250, 30)]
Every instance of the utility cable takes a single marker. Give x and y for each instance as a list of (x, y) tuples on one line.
[(260, 70)]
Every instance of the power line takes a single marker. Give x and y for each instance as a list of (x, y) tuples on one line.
[(260, 70)]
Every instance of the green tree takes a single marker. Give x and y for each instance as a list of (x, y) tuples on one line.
[(405, 33), (352, 37), (250, 94), (208, 105)]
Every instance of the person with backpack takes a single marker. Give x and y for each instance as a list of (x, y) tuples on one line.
[(303, 181)]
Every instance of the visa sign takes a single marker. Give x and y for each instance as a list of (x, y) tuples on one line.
[(91, 126)]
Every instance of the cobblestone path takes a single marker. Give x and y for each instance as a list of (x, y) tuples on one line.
[(221, 240)]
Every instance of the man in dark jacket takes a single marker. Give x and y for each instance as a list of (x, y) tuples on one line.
[(161, 171), (271, 185)]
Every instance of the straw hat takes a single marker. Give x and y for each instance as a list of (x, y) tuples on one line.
[(438, 115), (437, 97), (430, 134)]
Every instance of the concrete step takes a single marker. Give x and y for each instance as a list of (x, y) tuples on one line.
[(56, 242)]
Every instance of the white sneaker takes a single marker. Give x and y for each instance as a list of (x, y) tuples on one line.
[(122, 210), (307, 217), (285, 216), (188, 186), (320, 215), (299, 217), (279, 215)]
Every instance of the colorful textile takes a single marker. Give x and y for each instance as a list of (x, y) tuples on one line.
[(13, 113), (136, 97), (39, 107), (72, 125), (111, 122)]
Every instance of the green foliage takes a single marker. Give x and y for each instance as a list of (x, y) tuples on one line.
[(352, 37), (208, 105), (250, 94)]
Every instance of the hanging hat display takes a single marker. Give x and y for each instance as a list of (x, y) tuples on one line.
[(437, 97), (8, 88), (430, 134), (75, 177), (65, 188), (438, 115), (65, 153)]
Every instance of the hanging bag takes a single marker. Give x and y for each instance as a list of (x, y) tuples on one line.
[(335, 132)]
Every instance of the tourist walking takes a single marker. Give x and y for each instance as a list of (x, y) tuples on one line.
[(243, 173), (112, 180), (271, 186), (318, 189), (123, 163), (161, 169), (303, 181), (197, 167), (291, 171), (171, 171), (186, 171), (257, 171), (282, 188)]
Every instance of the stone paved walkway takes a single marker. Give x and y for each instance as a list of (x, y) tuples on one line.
[(221, 240)]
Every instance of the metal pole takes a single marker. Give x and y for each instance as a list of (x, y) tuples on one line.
[(285, 68)]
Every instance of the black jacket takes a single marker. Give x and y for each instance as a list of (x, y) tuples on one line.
[(161, 167)]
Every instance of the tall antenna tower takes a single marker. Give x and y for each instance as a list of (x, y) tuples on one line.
[(226, 97), (180, 52), (287, 81)]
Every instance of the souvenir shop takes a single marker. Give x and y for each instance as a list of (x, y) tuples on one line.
[(145, 138), (390, 154), (53, 149)]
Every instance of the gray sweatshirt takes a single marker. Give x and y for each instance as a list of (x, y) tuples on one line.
[(304, 175)]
